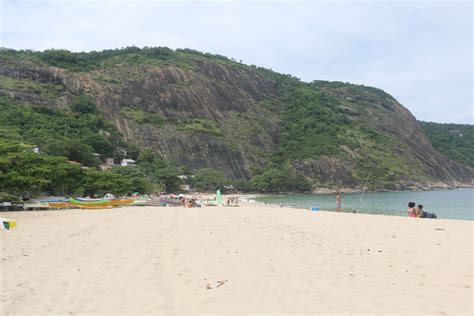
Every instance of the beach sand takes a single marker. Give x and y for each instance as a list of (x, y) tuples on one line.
[(138, 260)]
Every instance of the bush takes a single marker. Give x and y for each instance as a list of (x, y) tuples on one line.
[(208, 179), (276, 179), (84, 105)]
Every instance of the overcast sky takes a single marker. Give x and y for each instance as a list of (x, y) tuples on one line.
[(419, 52)]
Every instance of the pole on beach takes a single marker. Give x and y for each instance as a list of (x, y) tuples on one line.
[(362, 195)]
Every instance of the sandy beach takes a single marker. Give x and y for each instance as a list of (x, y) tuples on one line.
[(247, 259)]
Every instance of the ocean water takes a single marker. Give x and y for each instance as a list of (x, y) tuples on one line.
[(452, 204)]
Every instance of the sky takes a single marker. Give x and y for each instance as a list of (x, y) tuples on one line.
[(420, 52)]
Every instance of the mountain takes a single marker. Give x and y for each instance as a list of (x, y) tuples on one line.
[(456, 141), (207, 111)]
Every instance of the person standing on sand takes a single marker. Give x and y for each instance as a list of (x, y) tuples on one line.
[(338, 201)]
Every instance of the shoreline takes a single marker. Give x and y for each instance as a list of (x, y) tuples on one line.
[(251, 198)]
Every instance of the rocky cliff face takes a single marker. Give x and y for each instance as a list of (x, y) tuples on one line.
[(215, 114), (382, 113)]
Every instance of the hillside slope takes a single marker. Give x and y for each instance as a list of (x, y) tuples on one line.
[(456, 141), (201, 110)]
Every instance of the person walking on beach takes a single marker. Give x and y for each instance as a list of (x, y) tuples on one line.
[(338, 201)]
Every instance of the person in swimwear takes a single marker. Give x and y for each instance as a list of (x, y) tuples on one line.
[(411, 209), (338, 201)]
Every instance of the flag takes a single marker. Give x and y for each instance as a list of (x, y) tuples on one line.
[(219, 197)]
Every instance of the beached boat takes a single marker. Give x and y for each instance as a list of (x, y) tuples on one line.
[(64, 204), (170, 202), (36, 206), (90, 204), (122, 202), (99, 203), (88, 199), (142, 201)]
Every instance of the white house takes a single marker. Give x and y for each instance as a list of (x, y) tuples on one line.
[(127, 162)]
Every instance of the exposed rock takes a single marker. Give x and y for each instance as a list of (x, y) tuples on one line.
[(249, 133)]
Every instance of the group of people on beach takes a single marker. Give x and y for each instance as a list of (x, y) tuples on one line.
[(418, 211), (232, 201)]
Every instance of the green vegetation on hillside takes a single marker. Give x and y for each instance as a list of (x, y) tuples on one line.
[(26, 85), (277, 178), (456, 141), (316, 124), (82, 61), (282, 132), (25, 173), (75, 134), (311, 125), (199, 125), (139, 116)]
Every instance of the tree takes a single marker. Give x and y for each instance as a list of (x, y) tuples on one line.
[(167, 176), (145, 161), (100, 144), (25, 172), (102, 182), (241, 185), (208, 179), (277, 179), (271, 180), (21, 170), (56, 148), (139, 183), (158, 171), (84, 105), (80, 152), (65, 178)]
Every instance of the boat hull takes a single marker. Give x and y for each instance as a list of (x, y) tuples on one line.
[(99, 204), (165, 202)]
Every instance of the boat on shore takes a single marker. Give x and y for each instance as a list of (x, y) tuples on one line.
[(36, 206), (143, 201), (102, 203), (61, 205), (89, 199), (170, 202)]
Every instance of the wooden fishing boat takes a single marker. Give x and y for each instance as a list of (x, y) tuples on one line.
[(36, 206), (91, 204), (122, 202), (170, 202), (64, 204), (88, 199), (99, 203), (142, 202)]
